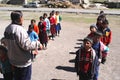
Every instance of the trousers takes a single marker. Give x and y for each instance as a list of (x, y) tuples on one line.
[(23, 73)]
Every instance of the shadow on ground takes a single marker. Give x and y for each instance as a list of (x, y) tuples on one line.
[(77, 47), (72, 52), (78, 43), (79, 39), (57, 79), (72, 61), (66, 68)]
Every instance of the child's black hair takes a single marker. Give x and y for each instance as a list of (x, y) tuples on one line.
[(33, 20), (41, 17), (31, 26), (105, 22), (45, 14)]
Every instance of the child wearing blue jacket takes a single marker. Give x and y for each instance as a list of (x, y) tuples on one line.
[(33, 37), (101, 52)]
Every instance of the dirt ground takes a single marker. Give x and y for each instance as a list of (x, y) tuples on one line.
[(57, 62)]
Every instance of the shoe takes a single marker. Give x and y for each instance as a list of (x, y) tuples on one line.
[(103, 60)]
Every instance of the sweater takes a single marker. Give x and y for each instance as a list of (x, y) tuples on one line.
[(19, 45)]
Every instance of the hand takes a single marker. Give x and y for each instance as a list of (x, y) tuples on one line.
[(35, 51), (3, 41)]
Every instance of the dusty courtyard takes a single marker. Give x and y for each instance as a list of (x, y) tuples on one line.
[(57, 62)]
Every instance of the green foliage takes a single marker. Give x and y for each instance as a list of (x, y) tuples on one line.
[(89, 18), (79, 18)]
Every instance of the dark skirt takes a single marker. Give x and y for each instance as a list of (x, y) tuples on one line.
[(43, 37), (52, 29)]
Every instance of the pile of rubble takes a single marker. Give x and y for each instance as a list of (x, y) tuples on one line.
[(68, 4), (59, 4)]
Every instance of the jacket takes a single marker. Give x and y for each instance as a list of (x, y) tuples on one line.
[(19, 45), (77, 61), (107, 36)]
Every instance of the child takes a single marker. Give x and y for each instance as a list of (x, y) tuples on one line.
[(5, 66), (84, 61), (47, 24), (103, 16), (33, 37), (36, 29), (52, 23), (99, 24), (101, 52), (101, 12), (93, 29), (43, 35), (107, 34), (58, 25)]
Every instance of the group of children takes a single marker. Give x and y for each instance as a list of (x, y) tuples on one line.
[(47, 28), (92, 53), (94, 50)]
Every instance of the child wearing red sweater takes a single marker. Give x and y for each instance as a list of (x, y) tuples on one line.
[(107, 33), (84, 61)]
